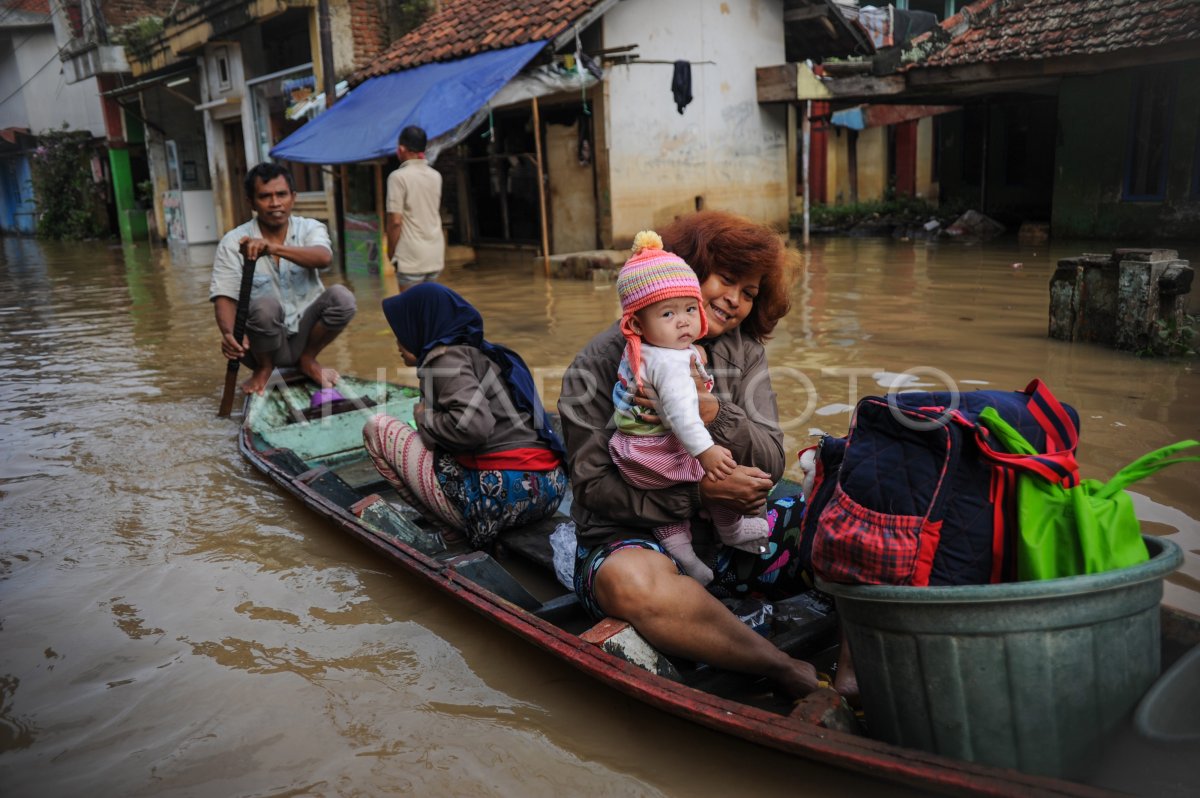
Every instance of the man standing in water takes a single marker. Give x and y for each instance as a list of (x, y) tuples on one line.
[(292, 315), (414, 213)]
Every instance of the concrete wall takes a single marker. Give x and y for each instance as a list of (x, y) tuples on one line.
[(46, 101), (872, 165), (221, 179), (725, 147), (837, 184), (1090, 168), (572, 200)]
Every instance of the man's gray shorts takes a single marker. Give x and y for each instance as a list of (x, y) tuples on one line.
[(334, 308), (405, 279)]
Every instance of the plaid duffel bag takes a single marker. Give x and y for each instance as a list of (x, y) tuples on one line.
[(917, 494)]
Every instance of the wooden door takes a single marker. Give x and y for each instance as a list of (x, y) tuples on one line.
[(235, 157)]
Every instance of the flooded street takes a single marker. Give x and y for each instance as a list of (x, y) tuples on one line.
[(173, 624)]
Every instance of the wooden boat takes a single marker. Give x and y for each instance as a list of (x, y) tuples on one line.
[(317, 455)]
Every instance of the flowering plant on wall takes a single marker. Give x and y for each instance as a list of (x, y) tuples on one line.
[(69, 199)]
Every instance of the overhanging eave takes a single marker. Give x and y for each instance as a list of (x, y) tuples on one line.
[(787, 83)]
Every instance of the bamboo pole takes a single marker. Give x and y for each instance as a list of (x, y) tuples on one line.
[(384, 256), (342, 202), (793, 161), (537, 143), (852, 162)]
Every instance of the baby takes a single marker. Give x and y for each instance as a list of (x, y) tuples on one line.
[(661, 318)]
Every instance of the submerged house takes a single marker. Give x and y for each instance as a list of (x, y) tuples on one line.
[(580, 92), (53, 60), (202, 90), (26, 46), (860, 151), (1079, 113)]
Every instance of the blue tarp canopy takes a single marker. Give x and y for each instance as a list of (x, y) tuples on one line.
[(364, 124)]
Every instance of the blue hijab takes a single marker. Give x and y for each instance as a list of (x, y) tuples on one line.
[(429, 315)]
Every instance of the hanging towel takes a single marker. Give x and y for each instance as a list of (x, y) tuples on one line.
[(877, 23), (681, 84)]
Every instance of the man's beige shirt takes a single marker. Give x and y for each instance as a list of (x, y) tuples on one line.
[(415, 192)]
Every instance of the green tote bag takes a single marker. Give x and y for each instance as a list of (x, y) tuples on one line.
[(1086, 529)]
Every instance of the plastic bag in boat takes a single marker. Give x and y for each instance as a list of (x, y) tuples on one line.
[(562, 540)]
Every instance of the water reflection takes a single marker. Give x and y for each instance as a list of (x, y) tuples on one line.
[(174, 624)]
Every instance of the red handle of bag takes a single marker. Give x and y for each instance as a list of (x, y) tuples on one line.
[(1057, 464), (1052, 417)]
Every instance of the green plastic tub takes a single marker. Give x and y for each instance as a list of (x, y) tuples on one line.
[(1028, 675)]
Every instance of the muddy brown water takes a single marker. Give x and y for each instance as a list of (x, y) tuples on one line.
[(173, 624)]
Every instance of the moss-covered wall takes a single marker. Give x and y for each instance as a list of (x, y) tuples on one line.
[(1094, 120)]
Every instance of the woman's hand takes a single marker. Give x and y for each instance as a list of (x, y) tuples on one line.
[(709, 404), (745, 490), (647, 399)]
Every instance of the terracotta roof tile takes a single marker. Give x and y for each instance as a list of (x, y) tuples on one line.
[(466, 27), (1028, 30)]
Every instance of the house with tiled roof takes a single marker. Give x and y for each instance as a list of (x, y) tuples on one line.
[(617, 150), (458, 29), (195, 92), (1080, 113)]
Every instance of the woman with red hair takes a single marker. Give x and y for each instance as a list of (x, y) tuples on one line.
[(621, 571)]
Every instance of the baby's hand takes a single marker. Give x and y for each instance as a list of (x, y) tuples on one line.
[(717, 462)]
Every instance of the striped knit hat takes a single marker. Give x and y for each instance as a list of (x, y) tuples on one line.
[(651, 275)]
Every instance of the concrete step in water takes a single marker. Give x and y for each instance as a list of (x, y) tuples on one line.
[(597, 265)]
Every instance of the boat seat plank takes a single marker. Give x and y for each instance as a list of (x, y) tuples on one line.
[(560, 609), (337, 407), (362, 474), (312, 473), (532, 541), (382, 517), (481, 568), (286, 460), (331, 486), (295, 398)]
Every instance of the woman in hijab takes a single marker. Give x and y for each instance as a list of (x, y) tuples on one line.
[(483, 457)]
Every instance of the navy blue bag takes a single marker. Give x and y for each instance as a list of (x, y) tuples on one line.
[(915, 495)]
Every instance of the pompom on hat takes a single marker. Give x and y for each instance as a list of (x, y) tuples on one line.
[(651, 275)]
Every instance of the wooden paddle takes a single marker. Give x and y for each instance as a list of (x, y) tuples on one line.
[(239, 329)]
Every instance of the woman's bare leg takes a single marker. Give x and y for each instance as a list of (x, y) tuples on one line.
[(678, 616)]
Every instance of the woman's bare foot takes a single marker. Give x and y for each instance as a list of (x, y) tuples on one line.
[(326, 378), (258, 380), (845, 680), (847, 687)]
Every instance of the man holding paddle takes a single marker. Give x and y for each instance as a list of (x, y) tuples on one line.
[(290, 316)]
